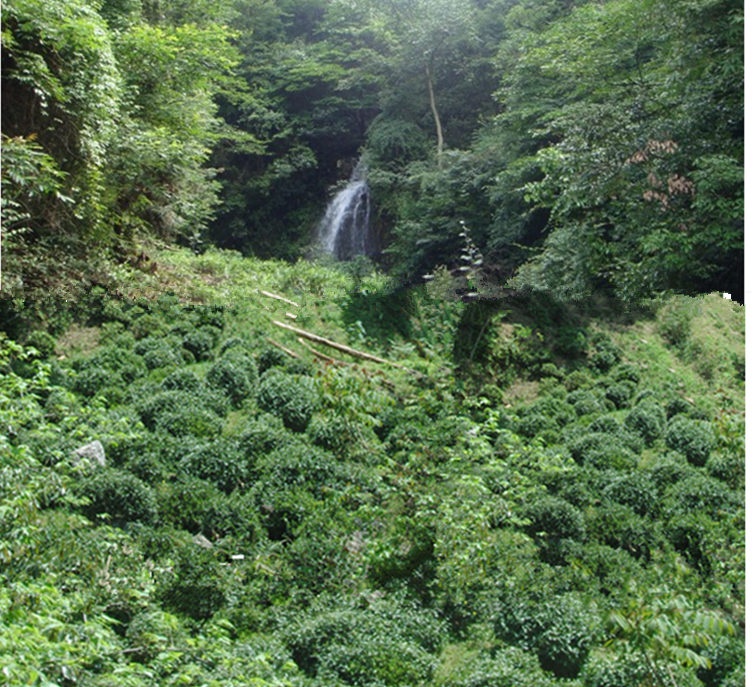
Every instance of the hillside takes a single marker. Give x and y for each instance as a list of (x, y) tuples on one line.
[(532, 494)]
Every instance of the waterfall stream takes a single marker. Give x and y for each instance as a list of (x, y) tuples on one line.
[(344, 231)]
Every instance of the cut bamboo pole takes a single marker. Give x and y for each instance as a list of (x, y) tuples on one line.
[(283, 348), (321, 356), (278, 298), (290, 316), (344, 348)]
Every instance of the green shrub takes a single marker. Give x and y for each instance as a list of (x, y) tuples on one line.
[(150, 405), (636, 490), (618, 526), (551, 370), (727, 656), (728, 467), (196, 588), (680, 406), (647, 420), (332, 432), (692, 438), (182, 502), (200, 343), (627, 670), (148, 467), (190, 421), (586, 402), (579, 444), (669, 469), (560, 629), (121, 495), (219, 462), (232, 342), (90, 381), (620, 394), (559, 410), (626, 372), (605, 354), (700, 493), (510, 666), (235, 375), (577, 380), (158, 352), (271, 357), (606, 424), (553, 520), (293, 399), (43, 342), (687, 533), (384, 643), (236, 515), (183, 380), (534, 424), (674, 320), (262, 435)]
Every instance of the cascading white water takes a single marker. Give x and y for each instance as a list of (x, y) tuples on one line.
[(344, 231)]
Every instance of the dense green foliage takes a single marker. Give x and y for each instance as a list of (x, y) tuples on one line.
[(544, 487), (291, 522), (584, 145)]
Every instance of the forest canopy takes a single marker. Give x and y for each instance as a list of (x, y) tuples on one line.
[(585, 145)]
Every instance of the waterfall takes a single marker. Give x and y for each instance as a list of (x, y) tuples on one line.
[(345, 229)]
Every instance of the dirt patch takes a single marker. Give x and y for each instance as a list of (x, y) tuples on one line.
[(77, 340), (520, 392)]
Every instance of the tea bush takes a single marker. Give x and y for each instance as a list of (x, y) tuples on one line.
[(271, 357), (692, 438), (381, 643), (183, 379), (332, 432), (647, 420), (560, 411), (292, 398), (183, 500), (510, 666), (636, 490), (219, 462), (669, 469), (728, 467), (151, 403), (619, 527), (605, 354), (120, 495), (200, 343), (687, 533), (196, 588), (190, 421), (560, 630), (586, 402), (626, 372), (700, 493), (620, 394), (235, 375), (158, 352), (552, 519), (91, 380), (262, 435)]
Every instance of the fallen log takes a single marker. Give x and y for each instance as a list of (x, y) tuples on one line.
[(268, 294), (342, 347), (321, 356), (283, 348)]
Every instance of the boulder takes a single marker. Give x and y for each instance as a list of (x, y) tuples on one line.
[(90, 455)]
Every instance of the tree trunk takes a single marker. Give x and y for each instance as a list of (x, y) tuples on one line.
[(434, 110)]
